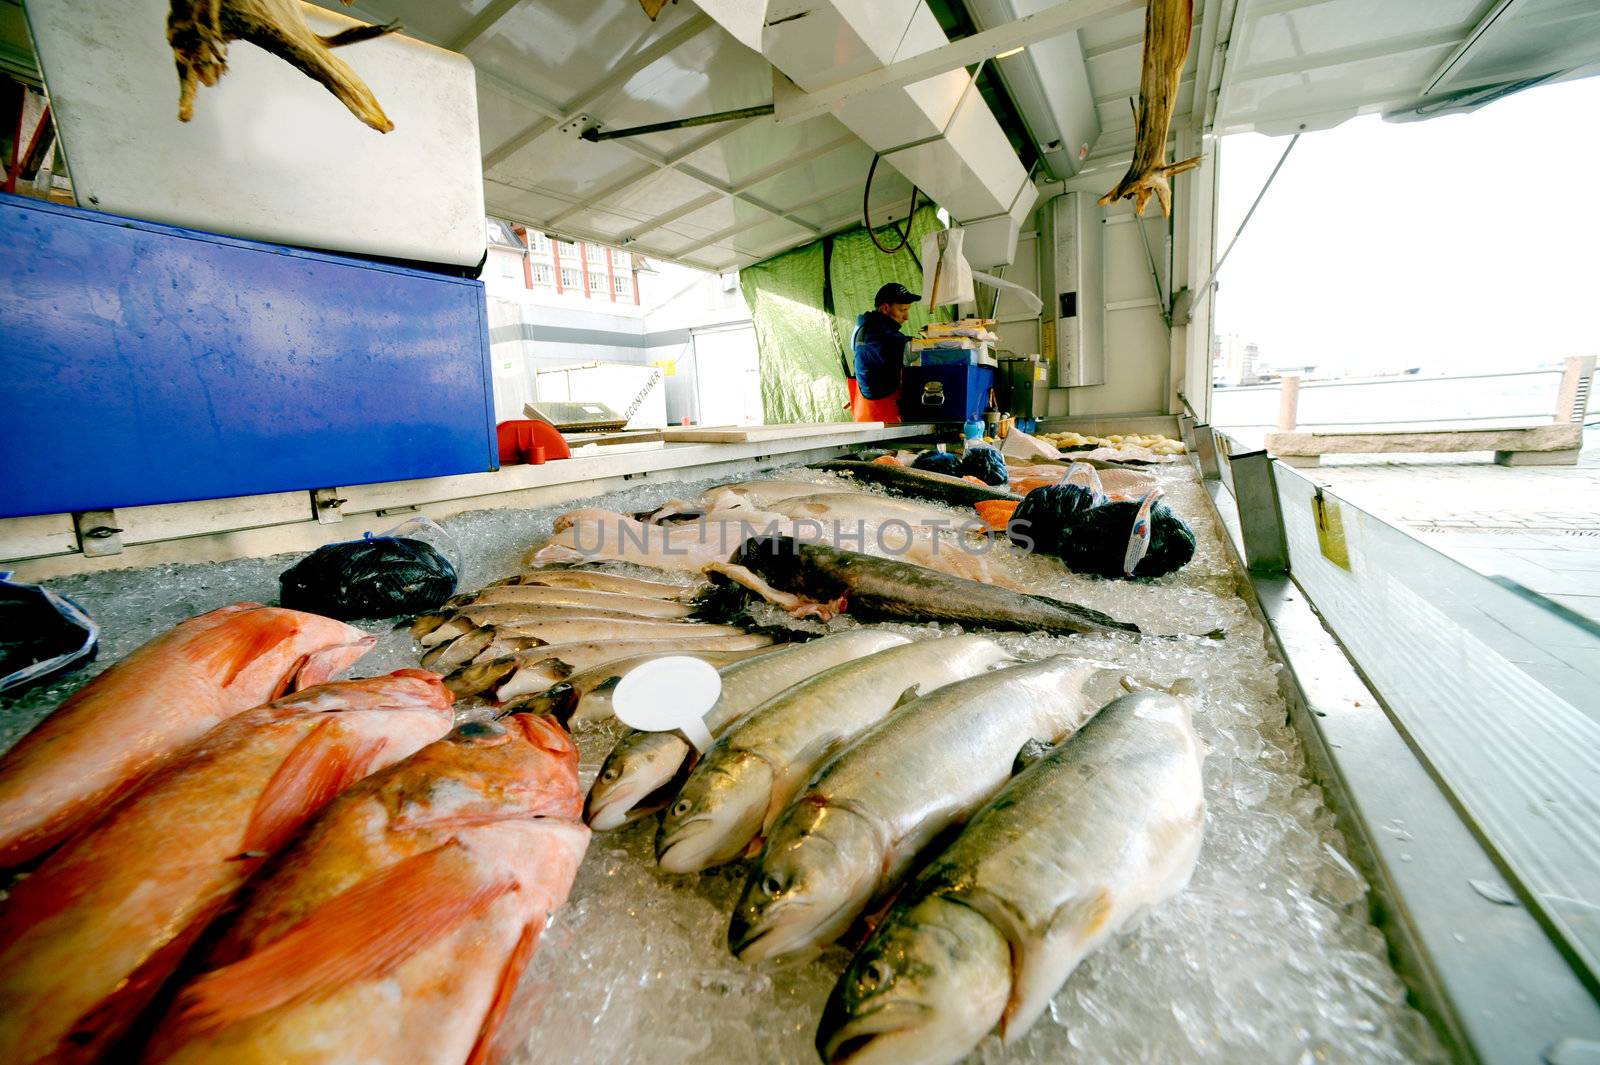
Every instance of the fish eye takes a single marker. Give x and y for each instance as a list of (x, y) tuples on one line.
[(681, 807), (874, 975), (609, 773), (771, 885)]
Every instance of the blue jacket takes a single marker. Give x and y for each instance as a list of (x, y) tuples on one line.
[(880, 354)]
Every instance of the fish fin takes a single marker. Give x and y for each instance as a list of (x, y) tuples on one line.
[(359, 934), (229, 648), (323, 764), (504, 989), (910, 694), (1183, 686), (1081, 920), (319, 667)]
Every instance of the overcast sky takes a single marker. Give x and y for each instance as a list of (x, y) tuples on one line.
[(1468, 241)]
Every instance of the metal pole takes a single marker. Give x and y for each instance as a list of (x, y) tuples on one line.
[(595, 135), (1201, 290)]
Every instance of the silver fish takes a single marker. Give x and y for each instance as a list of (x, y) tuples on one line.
[(536, 670), (751, 773), (458, 652), (601, 581), (502, 602), (858, 827), (1073, 850), (585, 697), (644, 763), (588, 630)]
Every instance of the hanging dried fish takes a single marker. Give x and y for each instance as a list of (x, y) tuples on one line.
[(199, 32), (1166, 45)]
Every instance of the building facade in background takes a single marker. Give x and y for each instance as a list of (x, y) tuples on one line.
[(1234, 360), (564, 273)]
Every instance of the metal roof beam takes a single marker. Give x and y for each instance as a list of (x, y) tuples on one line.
[(1416, 42), (1052, 22), (481, 24), (662, 46)]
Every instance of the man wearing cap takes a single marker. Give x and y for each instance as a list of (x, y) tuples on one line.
[(880, 350)]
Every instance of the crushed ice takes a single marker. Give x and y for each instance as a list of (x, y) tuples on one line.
[(1270, 955)]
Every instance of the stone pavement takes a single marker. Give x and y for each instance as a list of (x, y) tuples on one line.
[(1536, 525)]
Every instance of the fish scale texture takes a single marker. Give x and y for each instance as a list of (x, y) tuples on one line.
[(1269, 955)]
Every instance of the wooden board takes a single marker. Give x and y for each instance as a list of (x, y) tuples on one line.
[(756, 433), (1563, 437)]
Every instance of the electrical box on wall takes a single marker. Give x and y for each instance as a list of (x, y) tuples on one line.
[(1071, 262)]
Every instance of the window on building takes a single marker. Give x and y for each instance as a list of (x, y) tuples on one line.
[(569, 278), (596, 253), (541, 274), (508, 266), (597, 282), (568, 248), (538, 242), (621, 260), (620, 285)]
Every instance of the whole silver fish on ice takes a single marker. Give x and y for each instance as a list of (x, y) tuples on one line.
[(855, 831), (1080, 845), (753, 771), (644, 763)]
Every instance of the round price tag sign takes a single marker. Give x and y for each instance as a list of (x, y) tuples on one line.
[(669, 694)]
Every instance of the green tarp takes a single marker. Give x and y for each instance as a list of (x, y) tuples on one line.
[(801, 347), (800, 376)]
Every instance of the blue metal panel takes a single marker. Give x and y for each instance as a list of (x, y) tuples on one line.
[(144, 363), (965, 392)]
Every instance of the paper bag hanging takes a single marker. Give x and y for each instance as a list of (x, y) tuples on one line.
[(946, 277)]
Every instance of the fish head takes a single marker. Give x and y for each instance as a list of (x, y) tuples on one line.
[(820, 868), (636, 770), (719, 811), (477, 678), (518, 766), (927, 987)]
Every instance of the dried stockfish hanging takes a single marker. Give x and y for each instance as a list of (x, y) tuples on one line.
[(199, 32), (1166, 45)]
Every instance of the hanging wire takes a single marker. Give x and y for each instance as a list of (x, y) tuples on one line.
[(866, 215)]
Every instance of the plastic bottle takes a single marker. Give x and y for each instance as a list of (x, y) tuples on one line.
[(972, 430)]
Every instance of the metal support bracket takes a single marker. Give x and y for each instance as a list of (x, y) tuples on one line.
[(1206, 448), (1255, 493), (98, 533), (326, 504)]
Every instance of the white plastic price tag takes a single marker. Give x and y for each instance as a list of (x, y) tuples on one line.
[(669, 693)]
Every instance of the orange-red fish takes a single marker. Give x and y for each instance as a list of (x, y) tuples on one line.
[(397, 926), (165, 695), (88, 939)]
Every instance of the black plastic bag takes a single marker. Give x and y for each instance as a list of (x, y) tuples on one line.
[(937, 462), (42, 635), (1091, 536), (375, 577), (986, 465)]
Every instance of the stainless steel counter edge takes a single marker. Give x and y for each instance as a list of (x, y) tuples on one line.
[(46, 546), (1483, 970)]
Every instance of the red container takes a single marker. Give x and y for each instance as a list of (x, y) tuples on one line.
[(529, 440)]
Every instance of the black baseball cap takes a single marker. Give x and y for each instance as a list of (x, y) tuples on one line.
[(895, 292)]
